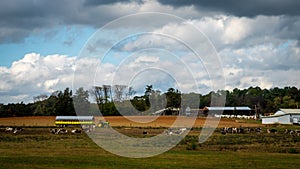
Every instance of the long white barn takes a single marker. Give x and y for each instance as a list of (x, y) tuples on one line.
[(283, 116)]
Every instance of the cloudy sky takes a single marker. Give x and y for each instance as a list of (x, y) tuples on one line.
[(200, 45)]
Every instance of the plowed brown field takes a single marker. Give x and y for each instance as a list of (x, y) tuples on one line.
[(162, 121)]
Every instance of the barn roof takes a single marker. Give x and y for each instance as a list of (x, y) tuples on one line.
[(291, 111), (80, 118), (283, 112), (228, 108)]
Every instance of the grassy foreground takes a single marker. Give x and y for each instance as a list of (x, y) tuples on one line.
[(37, 148)]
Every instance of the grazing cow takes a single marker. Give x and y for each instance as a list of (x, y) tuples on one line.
[(168, 132), (54, 131), (182, 130), (76, 131), (240, 130), (57, 131), (63, 131), (234, 130), (289, 131), (297, 132), (227, 129), (17, 129), (272, 131), (145, 132), (250, 130), (8, 129), (223, 131), (258, 130), (179, 131)]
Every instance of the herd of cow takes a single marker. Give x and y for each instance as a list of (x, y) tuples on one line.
[(171, 131), (257, 130), (224, 131), (13, 129), (64, 131), (53, 131)]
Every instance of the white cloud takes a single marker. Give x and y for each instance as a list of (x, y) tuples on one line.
[(147, 59), (33, 75), (49, 84), (36, 74)]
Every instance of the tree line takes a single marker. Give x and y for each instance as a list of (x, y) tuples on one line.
[(122, 100)]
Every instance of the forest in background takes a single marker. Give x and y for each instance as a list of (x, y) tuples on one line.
[(122, 100)]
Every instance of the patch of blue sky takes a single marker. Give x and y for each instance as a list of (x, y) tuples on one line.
[(60, 40), (285, 45), (118, 51)]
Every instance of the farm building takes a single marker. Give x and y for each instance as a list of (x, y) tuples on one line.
[(74, 120), (283, 116), (167, 111), (234, 111)]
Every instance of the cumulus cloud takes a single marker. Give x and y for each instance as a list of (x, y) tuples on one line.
[(33, 75)]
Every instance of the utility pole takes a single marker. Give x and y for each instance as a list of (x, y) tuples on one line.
[(256, 113)]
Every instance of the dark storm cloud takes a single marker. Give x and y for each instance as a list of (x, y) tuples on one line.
[(247, 8), (19, 18), (106, 2)]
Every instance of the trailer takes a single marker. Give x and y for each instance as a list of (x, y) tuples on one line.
[(296, 120)]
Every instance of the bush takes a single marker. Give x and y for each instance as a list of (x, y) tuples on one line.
[(292, 151), (191, 146)]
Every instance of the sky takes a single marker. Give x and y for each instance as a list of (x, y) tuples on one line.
[(194, 45)]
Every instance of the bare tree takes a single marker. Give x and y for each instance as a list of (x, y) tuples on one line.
[(98, 94), (119, 92), (107, 92), (40, 98), (130, 93)]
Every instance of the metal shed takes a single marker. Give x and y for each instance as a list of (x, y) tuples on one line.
[(241, 110), (283, 116), (74, 120)]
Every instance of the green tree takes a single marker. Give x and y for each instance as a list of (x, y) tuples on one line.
[(64, 103), (81, 101)]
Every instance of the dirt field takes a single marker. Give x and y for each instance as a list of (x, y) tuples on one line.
[(163, 121), (167, 121), (28, 121)]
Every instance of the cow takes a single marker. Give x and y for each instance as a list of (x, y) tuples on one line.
[(258, 130), (272, 131), (8, 129), (53, 131), (63, 131), (223, 131), (250, 130), (13, 129), (234, 130), (297, 132), (57, 131), (76, 131), (240, 130), (17, 129), (289, 131)]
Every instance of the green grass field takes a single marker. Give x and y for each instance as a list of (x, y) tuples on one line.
[(37, 148)]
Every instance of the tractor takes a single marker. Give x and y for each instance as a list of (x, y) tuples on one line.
[(103, 124)]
